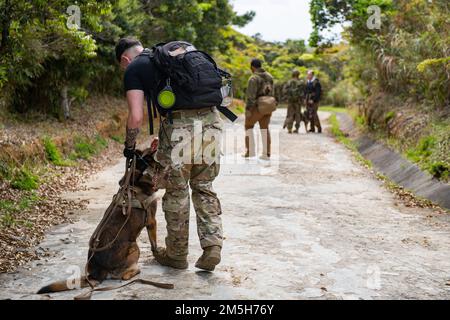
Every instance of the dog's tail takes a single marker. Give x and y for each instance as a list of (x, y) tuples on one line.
[(60, 286)]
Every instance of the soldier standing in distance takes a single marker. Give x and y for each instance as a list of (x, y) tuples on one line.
[(313, 92), (293, 91), (259, 84)]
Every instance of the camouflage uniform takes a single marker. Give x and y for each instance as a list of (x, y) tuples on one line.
[(293, 90), (257, 84), (279, 95), (199, 175)]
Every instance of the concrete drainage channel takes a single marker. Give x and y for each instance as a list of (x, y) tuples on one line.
[(398, 169)]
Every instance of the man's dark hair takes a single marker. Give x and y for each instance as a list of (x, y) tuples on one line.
[(256, 63), (124, 44)]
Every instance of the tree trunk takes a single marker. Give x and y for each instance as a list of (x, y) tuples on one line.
[(65, 104), (5, 24)]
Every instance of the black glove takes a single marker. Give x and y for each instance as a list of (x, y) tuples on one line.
[(128, 153)]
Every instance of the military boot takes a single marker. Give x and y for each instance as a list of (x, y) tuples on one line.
[(209, 259), (161, 256)]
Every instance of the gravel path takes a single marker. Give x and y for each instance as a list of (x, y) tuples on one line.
[(313, 225)]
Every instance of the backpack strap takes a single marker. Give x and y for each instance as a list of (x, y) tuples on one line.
[(152, 113), (151, 107)]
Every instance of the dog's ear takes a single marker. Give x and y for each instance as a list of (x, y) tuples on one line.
[(154, 145)]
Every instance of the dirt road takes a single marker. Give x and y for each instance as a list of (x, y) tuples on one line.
[(314, 225)]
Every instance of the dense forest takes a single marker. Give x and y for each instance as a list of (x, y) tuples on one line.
[(396, 74)]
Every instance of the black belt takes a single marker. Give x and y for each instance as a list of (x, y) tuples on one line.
[(179, 114)]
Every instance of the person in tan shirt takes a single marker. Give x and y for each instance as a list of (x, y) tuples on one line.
[(260, 84)]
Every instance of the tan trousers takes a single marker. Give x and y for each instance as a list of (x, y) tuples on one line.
[(251, 118)]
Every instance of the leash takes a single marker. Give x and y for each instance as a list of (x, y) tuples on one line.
[(125, 189), (88, 295)]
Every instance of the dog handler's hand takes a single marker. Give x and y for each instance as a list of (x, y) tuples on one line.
[(130, 143), (128, 152)]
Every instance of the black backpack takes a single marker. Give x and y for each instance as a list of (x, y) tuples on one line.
[(192, 74)]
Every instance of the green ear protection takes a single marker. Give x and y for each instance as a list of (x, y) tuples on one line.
[(167, 98)]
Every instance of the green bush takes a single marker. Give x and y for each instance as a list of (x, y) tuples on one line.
[(427, 154), (85, 148), (422, 151), (440, 170), (389, 116), (118, 139), (24, 179), (52, 153), (8, 209)]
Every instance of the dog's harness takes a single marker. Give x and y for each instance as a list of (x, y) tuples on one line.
[(124, 198)]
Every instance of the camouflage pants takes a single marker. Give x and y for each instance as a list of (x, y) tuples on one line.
[(294, 114), (193, 172)]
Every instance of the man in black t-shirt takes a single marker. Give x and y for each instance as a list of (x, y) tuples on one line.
[(141, 79)]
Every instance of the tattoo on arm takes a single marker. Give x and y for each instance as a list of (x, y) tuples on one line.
[(130, 140)]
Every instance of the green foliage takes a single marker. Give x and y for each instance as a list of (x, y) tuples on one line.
[(280, 59), (440, 170), (389, 116), (408, 56), (24, 179), (40, 56), (423, 149), (343, 94), (85, 148), (431, 153), (52, 153), (118, 139), (8, 210)]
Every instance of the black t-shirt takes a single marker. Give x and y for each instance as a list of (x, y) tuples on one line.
[(141, 75)]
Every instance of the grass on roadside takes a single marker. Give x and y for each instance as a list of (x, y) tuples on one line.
[(9, 209), (53, 154), (343, 138), (85, 148), (24, 179), (427, 155)]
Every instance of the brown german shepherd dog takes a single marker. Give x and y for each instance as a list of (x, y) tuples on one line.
[(113, 251)]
